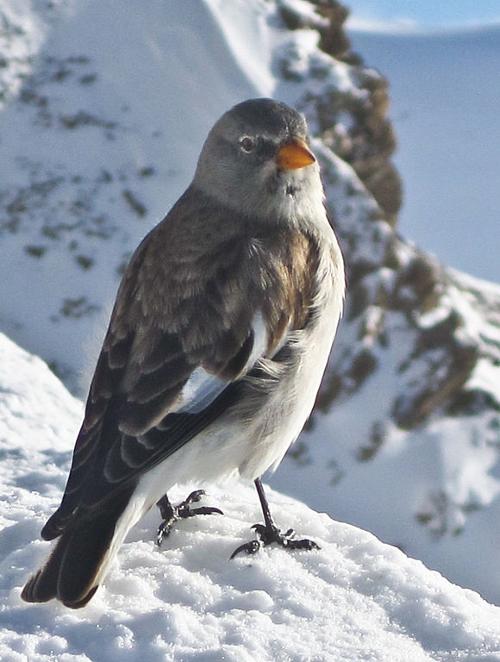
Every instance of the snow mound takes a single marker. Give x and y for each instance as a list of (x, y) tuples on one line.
[(353, 599), (99, 137)]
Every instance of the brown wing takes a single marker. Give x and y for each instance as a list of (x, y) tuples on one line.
[(182, 333)]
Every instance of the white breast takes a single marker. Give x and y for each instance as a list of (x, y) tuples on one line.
[(293, 400)]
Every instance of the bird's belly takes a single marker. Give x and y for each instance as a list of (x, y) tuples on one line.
[(286, 412)]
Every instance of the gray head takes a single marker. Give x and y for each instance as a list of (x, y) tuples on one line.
[(256, 160)]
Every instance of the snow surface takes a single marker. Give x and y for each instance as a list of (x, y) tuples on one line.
[(445, 94), (355, 599), (100, 136)]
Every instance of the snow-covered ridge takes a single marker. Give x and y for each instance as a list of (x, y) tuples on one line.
[(101, 137), (353, 599)]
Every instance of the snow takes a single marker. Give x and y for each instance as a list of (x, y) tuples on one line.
[(21, 37), (416, 490), (445, 93), (99, 139), (354, 599), (136, 118)]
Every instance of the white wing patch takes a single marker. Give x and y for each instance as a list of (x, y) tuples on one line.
[(200, 390), (202, 387), (260, 341)]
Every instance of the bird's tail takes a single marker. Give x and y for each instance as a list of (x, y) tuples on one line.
[(81, 557)]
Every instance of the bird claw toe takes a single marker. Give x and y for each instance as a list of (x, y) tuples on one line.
[(171, 514), (271, 534), (194, 497), (163, 531), (251, 547), (305, 543)]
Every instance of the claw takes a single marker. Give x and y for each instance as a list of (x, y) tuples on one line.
[(194, 497), (251, 547), (164, 531), (305, 543), (270, 534), (203, 510), (172, 514)]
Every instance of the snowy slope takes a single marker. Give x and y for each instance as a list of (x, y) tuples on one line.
[(445, 93), (353, 599), (96, 146), (105, 107)]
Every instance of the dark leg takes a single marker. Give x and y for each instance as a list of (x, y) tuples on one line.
[(171, 514), (269, 532)]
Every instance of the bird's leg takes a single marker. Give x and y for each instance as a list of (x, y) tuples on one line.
[(269, 532), (171, 514)]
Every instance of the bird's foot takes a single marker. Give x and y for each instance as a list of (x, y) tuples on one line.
[(171, 514), (270, 534)]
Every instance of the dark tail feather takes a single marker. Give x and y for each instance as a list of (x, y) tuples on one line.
[(71, 570), (42, 586)]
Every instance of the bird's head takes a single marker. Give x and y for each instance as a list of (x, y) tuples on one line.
[(257, 161)]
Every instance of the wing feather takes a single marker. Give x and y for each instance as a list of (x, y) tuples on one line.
[(182, 335)]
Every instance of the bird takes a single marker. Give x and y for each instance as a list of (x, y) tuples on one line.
[(216, 346)]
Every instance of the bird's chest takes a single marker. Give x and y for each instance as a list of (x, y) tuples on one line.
[(291, 378), (284, 278)]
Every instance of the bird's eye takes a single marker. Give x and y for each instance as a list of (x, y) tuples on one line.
[(247, 144)]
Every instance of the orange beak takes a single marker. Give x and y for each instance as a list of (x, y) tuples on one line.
[(294, 154)]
